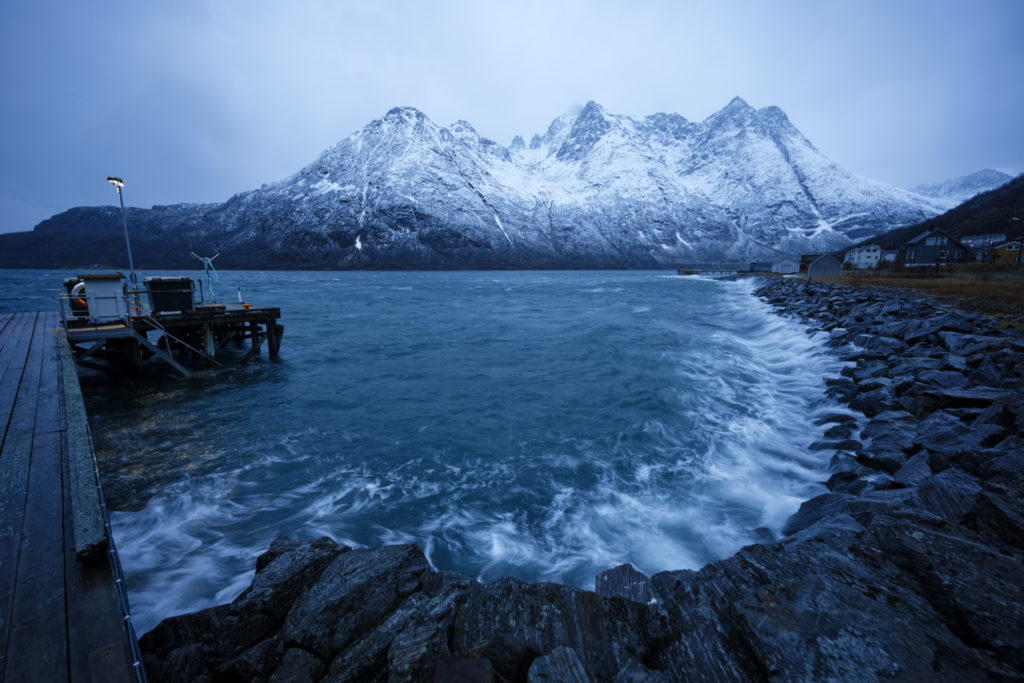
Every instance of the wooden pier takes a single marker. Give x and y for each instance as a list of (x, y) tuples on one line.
[(114, 328), (182, 338), (62, 605)]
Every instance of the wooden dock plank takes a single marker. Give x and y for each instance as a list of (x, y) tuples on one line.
[(5, 319), (8, 336), (60, 618), (17, 336), (15, 461), (98, 649), (11, 336), (37, 640), (88, 528)]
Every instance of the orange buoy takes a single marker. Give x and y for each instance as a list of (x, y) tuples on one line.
[(79, 300)]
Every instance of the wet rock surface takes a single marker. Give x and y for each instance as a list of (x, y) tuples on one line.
[(911, 567)]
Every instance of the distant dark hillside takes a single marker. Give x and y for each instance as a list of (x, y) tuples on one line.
[(998, 210), (83, 237)]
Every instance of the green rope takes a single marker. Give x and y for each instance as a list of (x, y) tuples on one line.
[(210, 272)]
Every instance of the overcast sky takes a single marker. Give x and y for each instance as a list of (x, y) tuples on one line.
[(193, 101)]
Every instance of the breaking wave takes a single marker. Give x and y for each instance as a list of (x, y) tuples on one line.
[(546, 426)]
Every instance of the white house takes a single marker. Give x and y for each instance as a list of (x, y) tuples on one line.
[(865, 257), (786, 265)]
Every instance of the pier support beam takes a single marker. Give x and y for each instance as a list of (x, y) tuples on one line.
[(273, 338), (257, 341), (208, 346)]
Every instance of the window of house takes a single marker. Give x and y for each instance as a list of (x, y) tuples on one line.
[(935, 241)]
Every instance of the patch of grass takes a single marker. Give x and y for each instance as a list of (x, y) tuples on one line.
[(994, 291)]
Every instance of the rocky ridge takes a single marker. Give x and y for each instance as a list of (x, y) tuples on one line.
[(596, 190), (958, 190), (909, 567)]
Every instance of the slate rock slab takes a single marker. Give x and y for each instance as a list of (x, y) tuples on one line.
[(914, 471), (950, 494), (942, 433), (624, 582)]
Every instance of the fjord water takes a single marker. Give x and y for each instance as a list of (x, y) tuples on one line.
[(541, 425)]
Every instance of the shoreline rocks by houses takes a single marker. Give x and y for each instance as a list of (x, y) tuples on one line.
[(910, 567)]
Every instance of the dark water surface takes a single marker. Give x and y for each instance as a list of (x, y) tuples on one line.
[(543, 425)]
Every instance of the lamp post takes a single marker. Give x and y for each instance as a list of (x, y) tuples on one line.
[(118, 184)]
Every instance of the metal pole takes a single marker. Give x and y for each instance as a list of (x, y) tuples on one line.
[(118, 183), (127, 241)]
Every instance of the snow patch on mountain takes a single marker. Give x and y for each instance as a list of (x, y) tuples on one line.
[(958, 190), (596, 189)]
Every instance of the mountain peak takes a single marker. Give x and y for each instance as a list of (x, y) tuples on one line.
[(592, 109), (773, 113), (589, 127), (775, 120), (462, 126), (465, 133), (736, 111), (737, 104), (410, 115)]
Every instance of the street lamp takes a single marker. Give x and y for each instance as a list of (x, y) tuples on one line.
[(118, 184)]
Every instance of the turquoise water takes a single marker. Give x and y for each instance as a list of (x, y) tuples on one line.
[(542, 425)]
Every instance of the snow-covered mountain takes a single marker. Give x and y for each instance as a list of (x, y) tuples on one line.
[(958, 190), (596, 189)]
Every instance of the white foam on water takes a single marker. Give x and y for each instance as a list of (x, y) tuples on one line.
[(724, 466), (752, 414)]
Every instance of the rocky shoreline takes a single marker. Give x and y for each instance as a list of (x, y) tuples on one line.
[(910, 567)]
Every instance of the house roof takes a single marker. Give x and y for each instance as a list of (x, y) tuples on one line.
[(826, 256), (933, 231)]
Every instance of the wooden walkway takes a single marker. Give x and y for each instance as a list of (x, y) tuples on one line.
[(61, 610)]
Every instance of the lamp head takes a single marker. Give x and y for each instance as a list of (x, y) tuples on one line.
[(116, 182)]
